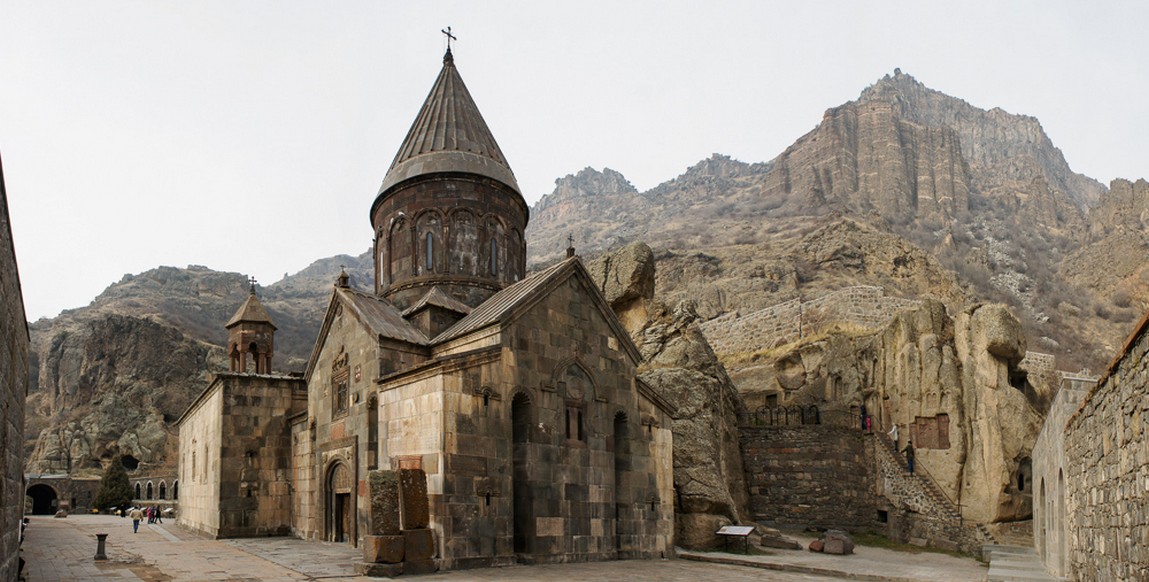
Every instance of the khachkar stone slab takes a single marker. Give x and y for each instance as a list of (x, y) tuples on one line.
[(383, 488), (413, 498)]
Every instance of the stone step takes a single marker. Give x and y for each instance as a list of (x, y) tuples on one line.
[(1014, 564)]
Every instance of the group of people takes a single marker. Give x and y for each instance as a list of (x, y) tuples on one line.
[(866, 422), (153, 513)]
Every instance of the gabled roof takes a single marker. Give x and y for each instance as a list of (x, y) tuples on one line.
[(505, 305), (449, 135), (251, 311), (378, 316), (438, 298)]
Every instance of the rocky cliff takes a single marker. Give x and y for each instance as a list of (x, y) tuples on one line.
[(680, 366), (983, 193)]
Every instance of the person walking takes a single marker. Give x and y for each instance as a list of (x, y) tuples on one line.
[(159, 515), (910, 455), (136, 516), (894, 435), (865, 418)]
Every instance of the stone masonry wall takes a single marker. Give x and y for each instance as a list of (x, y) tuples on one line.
[(1050, 530), (861, 305), (808, 475), (13, 391), (1107, 472)]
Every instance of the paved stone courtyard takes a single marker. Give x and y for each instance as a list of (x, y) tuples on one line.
[(63, 549)]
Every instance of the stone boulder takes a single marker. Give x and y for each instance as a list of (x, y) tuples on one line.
[(626, 278), (838, 542), (834, 541)]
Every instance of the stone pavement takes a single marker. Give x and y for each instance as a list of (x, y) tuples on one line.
[(63, 549)]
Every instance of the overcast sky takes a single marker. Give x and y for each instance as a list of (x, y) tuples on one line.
[(252, 136)]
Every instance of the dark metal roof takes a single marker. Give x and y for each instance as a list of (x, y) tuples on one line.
[(438, 298), (501, 304), (449, 135), (251, 311), (382, 318)]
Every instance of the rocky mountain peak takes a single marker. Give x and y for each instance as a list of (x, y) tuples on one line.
[(587, 182)]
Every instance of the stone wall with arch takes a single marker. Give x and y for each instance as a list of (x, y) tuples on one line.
[(1106, 460)]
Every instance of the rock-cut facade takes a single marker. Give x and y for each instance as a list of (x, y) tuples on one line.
[(460, 413)]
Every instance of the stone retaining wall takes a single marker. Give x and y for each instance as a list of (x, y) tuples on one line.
[(808, 475), (1107, 472), (862, 305)]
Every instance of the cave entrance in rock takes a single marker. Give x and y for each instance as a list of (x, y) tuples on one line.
[(130, 463), (44, 499)]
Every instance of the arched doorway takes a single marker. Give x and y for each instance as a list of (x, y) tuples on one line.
[(339, 508), (520, 474), (44, 499)]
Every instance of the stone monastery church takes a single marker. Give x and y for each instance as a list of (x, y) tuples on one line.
[(463, 414)]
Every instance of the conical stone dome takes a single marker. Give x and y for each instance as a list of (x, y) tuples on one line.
[(449, 214), (449, 135)]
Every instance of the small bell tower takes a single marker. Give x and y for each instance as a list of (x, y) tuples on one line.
[(251, 337)]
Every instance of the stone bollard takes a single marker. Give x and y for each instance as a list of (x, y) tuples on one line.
[(100, 539)]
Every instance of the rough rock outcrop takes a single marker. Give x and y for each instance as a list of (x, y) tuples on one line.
[(113, 386), (599, 210), (626, 278), (680, 366)]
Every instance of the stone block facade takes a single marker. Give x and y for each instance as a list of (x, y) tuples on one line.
[(52, 492), (13, 391), (155, 489), (235, 456), (809, 475), (1106, 484)]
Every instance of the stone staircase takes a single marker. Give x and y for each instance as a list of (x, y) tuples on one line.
[(945, 507), (932, 502), (1014, 564)]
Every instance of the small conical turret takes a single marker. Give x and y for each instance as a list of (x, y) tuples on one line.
[(250, 332)]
